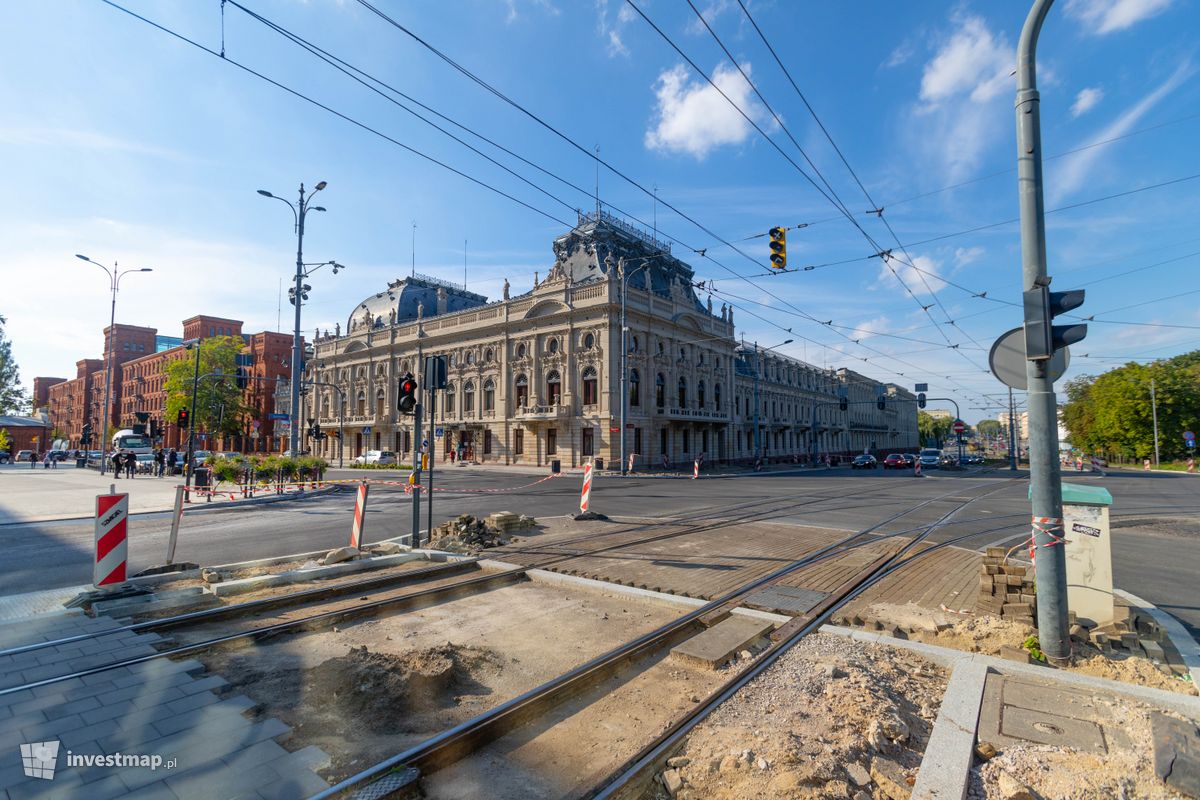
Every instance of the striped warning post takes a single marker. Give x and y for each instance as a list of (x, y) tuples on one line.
[(112, 546), (632, 456), (695, 469), (917, 468), (586, 495), (360, 511)]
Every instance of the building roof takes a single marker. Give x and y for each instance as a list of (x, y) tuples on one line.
[(404, 295), (10, 421)]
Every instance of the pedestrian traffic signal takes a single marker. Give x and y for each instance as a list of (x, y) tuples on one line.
[(408, 394), (921, 400), (778, 248), (183, 418), (86, 435), (1042, 337)]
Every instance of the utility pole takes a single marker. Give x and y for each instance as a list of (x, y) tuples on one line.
[(1044, 476), (1012, 433), (1154, 411)]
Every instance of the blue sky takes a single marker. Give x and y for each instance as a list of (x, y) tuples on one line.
[(130, 146)]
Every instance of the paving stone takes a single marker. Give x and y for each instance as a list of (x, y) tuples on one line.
[(204, 783), (714, 646), (88, 733), (299, 784), (1176, 753), (155, 791), (74, 707), (46, 730), (192, 701), (311, 758)]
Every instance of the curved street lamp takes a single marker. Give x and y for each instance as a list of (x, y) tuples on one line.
[(114, 283)]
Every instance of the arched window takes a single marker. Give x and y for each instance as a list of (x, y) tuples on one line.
[(552, 345), (521, 385), (589, 341), (660, 391), (470, 356), (362, 404), (405, 367), (590, 388), (700, 394), (717, 396), (521, 350), (380, 405), (469, 398), (448, 404), (488, 355), (635, 388), (633, 348), (553, 387), (682, 392), (489, 395)]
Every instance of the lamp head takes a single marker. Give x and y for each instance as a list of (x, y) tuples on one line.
[(265, 193), (85, 258), (146, 269), (317, 208), (320, 185)]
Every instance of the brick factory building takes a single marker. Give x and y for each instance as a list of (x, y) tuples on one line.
[(139, 384)]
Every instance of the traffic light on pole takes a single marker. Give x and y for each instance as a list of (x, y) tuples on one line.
[(86, 435), (242, 378), (778, 247), (1042, 337), (843, 403), (408, 394), (183, 418), (921, 400), (881, 402)]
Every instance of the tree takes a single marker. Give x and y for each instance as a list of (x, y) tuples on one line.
[(988, 428), (5, 441), (933, 429), (13, 398), (220, 407)]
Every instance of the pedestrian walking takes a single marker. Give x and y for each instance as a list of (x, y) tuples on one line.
[(160, 461), (118, 462), (1191, 465), (172, 460), (130, 464), (46, 460)]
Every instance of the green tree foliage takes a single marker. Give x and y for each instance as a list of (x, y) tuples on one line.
[(5, 441), (13, 399), (989, 428), (217, 354), (935, 429), (1112, 413)]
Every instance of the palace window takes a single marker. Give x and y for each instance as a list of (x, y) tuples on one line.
[(489, 395), (522, 391), (682, 393), (660, 391), (553, 387), (589, 386), (700, 394), (635, 388), (469, 397)]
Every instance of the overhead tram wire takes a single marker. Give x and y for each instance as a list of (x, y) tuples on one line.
[(590, 155), (831, 196), (878, 209), (298, 94)]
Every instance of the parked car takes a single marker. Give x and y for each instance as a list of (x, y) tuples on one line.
[(376, 457), (864, 461), (949, 460), (145, 462), (200, 457), (5, 456), (895, 461), (94, 454), (931, 458), (228, 456), (25, 455)]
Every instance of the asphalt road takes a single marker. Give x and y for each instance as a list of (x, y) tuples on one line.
[(1160, 567)]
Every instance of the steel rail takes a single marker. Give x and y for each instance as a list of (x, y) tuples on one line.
[(453, 743)]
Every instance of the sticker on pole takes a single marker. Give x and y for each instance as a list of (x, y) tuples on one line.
[(112, 546)]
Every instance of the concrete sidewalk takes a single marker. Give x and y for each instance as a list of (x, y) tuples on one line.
[(41, 495)]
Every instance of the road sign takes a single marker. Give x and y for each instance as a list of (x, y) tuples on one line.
[(959, 426), (1007, 360), (366, 430), (614, 430), (1189, 436), (278, 416), (439, 432), (922, 387)]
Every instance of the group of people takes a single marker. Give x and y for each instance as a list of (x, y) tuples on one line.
[(165, 462)]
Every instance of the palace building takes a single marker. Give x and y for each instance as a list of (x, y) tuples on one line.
[(536, 377)]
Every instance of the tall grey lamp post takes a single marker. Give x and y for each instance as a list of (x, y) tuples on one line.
[(299, 213), (757, 375), (114, 281)]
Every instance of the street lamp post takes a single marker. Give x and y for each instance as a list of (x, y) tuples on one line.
[(114, 280), (299, 212)]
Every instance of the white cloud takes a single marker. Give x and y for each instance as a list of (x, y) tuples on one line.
[(903, 52), (974, 62), (692, 117), (871, 327), (514, 9), (1071, 173), (710, 12), (1086, 100), (966, 255), (1107, 16), (84, 140), (610, 33)]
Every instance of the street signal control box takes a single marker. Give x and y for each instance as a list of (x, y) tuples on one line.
[(1042, 337), (778, 247), (408, 394), (183, 418)]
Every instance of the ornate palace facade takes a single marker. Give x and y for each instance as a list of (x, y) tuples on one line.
[(537, 377)]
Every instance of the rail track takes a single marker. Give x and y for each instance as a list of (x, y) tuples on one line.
[(396, 774)]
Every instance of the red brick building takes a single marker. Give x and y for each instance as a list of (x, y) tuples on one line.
[(26, 433), (41, 391), (139, 384)]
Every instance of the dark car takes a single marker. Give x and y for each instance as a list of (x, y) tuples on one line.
[(864, 462), (895, 461), (910, 459)]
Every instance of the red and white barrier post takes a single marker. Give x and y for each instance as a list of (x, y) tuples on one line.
[(917, 468), (360, 512), (696, 469), (585, 496), (632, 456), (112, 546)]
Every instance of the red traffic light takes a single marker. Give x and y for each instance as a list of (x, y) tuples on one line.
[(183, 418), (407, 402)]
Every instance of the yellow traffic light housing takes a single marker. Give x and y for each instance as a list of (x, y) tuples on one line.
[(778, 248)]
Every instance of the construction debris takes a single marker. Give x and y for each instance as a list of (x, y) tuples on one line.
[(468, 534)]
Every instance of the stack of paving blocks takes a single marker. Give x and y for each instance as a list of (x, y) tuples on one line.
[(1006, 589), (1131, 631), (507, 522)]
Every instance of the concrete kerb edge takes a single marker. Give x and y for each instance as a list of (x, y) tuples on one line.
[(945, 769), (1187, 646)]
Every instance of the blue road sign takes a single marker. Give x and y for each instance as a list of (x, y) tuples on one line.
[(1189, 436), (439, 432), (277, 416)]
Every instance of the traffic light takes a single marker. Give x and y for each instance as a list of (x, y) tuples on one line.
[(183, 418), (242, 378), (408, 394), (778, 248), (843, 403), (921, 400), (1042, 337), (85, 437), (881, 402), (314, 431), (304, 290)]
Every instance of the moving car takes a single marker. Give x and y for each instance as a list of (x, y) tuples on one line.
[(931, 458), (949, 460), (376, 457), (864, 461), (201, 457), (895, 461), (910, 459), (5, 456)]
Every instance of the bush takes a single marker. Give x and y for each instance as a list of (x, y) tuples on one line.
[(224, 471), (380, 466)]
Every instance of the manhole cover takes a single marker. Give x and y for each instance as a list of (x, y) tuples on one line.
[(1045, 728)]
